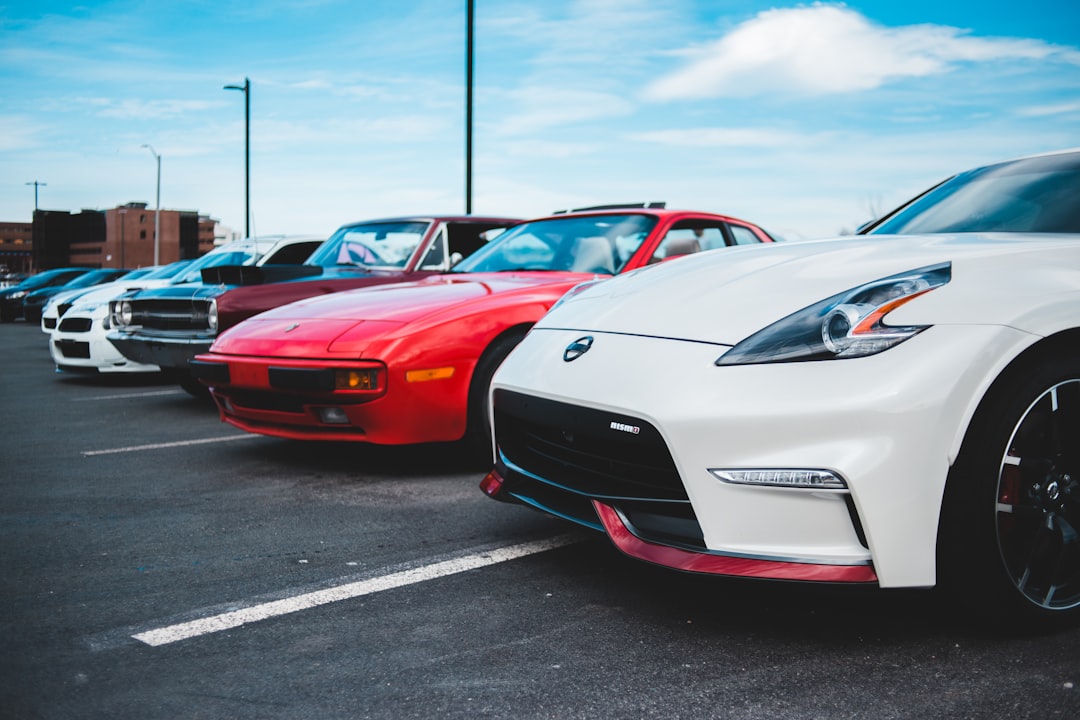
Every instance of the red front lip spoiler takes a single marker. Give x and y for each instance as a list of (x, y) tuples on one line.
[(715, 564), (705, 562)]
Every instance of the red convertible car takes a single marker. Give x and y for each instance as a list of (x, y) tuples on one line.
[(411, 362)]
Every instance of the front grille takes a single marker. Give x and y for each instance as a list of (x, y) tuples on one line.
[(596, 453), (73, 349), (559, 457), (275, 402), (76, 325), (171, 314)]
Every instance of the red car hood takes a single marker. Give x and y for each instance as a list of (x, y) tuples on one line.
[(410, 301), (310, 328)]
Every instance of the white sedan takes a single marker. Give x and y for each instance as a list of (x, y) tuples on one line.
[(901, 408)]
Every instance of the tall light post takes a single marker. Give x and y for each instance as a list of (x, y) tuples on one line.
[(36, 185), (246, 89), (470, 22), (157, 208)]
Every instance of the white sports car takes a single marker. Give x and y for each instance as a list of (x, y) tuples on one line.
[(78, 321), (900, 408)]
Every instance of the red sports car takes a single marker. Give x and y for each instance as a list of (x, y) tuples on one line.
[(411, 362)]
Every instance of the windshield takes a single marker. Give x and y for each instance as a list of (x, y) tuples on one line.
[(139, 273), (165, 271), (41, 280), (586, 243), (94, 277), (193, 273), (1032, 195), (380, 244)]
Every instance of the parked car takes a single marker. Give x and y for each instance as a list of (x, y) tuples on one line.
[(169, 327), (78, 323), (8, 279), (410, 362), (143, 322), (11, 298), (35, 300), (60, 303), (900, 409)]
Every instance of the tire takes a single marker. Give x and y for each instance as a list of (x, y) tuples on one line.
[(1009, 544), (191, 386), (477, 442)]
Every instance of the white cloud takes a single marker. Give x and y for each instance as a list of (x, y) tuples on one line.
[(148, 109), (721, 137), (539, 108), (825, 49), (18, 133), (1064, 108)]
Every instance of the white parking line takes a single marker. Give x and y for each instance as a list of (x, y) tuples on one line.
[(159, 446), (236, 618), (125, 396)]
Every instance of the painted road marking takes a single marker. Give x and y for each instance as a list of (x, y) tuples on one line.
[(159, 446), (129, 395), (264, 611)]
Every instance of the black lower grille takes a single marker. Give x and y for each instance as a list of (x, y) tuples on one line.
[(77, 325), (73, 349), (172, 314), (601, 454), (558, 458), (274, 402)]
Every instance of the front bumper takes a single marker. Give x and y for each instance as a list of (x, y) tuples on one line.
[(888, 424), (80, 344), (289, 398), (165, 351)]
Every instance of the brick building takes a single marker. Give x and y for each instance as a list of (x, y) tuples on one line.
[(16, 243), (118, 237)]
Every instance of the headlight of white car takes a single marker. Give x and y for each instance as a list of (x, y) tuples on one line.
[(848, 325)]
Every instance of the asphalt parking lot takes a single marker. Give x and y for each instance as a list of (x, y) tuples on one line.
[(160, 564)]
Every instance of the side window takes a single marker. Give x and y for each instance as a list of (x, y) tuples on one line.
[(436, 254), (689, 236), (743, 235), (467, 238), (293, 254)]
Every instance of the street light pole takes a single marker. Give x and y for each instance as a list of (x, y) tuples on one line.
[(470, 22), (36, 184), (157, 208), (246, 89)]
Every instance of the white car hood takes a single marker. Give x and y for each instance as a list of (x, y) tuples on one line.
[(723, 296), (108, 291)]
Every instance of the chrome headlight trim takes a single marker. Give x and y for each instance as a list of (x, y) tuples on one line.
[(212, 315), (847, 325)]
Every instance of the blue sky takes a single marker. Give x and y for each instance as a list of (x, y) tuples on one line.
[(806, 118)]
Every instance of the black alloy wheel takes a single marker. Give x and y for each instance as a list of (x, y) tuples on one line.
[(1009, 536), (1038, 500)]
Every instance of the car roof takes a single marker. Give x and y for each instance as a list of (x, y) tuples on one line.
[(435, 218), (655, 209)]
